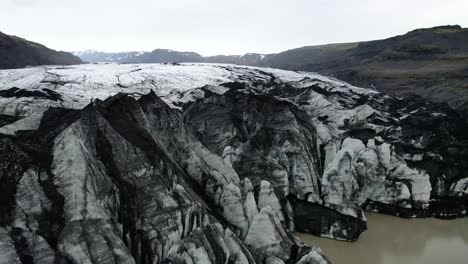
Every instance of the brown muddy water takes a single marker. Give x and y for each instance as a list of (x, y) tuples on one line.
[(394, 240)]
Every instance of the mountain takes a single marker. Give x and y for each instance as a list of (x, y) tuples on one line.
[(155, 56), (167, 56), (432, 63), (250, 59), (16, 52), (205, 163), (98, 56)]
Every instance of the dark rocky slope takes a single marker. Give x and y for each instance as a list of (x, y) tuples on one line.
[(208, 164), (432, 63), (16, 52)]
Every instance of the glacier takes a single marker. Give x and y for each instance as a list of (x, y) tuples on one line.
[(212, 163)]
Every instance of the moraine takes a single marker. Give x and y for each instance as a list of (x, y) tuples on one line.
[(212, 163)]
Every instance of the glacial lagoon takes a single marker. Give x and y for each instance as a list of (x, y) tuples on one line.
[(394, 240)]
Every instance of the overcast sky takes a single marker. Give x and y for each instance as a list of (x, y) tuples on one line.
[(212, 27)]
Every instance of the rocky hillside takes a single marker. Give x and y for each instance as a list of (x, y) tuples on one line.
[(198, 163), (16, 52), (432, 63)]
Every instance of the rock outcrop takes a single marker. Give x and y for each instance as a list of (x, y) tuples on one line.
[(16, 52), (211, 164)]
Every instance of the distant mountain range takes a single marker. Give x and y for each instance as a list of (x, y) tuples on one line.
[(432, 62), (16, 52), (97, 56), (167, 55)]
